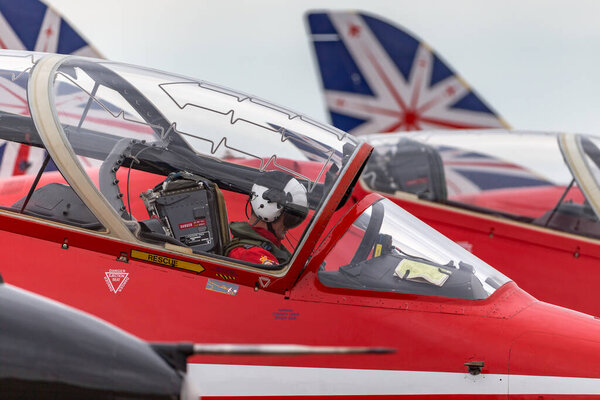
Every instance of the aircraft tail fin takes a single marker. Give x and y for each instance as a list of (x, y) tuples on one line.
[(32, 25), (377, 77)]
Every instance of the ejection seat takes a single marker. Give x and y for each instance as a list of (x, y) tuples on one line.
[(187, 210)]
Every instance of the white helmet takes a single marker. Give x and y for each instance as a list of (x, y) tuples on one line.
[(276, 193)]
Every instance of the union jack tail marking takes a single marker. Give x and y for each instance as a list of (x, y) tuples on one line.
[(379, 78)]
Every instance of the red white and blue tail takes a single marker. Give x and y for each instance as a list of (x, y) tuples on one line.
[(32, 25), (379, 78)]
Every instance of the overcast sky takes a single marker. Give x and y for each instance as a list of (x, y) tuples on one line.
[(537, 62)]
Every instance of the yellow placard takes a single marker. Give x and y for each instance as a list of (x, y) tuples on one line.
[(421, 272), (168, 261)]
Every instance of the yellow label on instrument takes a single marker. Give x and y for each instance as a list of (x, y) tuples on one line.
[(377, 250), (168, 261)]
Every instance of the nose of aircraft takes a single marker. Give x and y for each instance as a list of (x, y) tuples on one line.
[(558, 351)]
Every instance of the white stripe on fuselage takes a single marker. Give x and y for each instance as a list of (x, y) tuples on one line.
[(250, 380), (245, 380)]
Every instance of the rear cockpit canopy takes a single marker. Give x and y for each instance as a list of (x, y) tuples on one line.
[(530, 177)]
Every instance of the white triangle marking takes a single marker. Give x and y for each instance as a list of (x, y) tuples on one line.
[(264, 281)]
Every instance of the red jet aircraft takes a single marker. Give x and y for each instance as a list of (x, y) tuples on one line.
[(128, 218)]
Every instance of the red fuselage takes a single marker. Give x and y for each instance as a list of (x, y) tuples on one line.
[(528, 347)]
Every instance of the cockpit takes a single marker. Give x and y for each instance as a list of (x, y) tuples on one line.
[(159, 158), (171, 163), (544, 179), (387, 249)]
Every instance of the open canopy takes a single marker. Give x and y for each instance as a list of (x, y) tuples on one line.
[(122, 136), (546, 179)]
